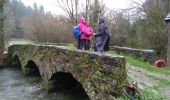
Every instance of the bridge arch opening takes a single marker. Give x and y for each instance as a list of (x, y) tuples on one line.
[(31, 69), (16, 62), (65, 83)]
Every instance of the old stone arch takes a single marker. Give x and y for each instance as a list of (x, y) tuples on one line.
[(16, 61), (32, 69), (64, 82)]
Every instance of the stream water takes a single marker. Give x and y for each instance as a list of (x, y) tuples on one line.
[(15, 86)]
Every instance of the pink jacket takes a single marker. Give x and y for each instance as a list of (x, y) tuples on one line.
[(90, 32), (82, 27)]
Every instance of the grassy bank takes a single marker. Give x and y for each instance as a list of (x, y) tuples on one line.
[(136, 62), (17, 42)]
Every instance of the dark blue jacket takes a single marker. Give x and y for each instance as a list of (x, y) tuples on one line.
[(102, 35)]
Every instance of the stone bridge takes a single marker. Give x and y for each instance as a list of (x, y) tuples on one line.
[(100, 75)]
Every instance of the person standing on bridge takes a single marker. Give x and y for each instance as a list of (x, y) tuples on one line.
[(83, 37), (89, 31), (102, 36)]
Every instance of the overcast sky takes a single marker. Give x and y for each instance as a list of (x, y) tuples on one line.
[(50, 5)]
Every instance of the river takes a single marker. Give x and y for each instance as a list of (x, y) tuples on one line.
[(15, 86)]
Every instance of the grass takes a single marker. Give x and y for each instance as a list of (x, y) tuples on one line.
[(18, 42), (72, 46), (146, 66), (150, 93), (147, 94), (138, 63)]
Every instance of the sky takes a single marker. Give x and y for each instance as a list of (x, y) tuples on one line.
[(51, 5)]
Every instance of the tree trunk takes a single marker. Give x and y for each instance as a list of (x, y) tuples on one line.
[(1, 27), (1, 30), (168, 51)]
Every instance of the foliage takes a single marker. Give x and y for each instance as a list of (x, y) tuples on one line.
[(95, 13), (151, 94), (15, 10), (139, 63), (141, 26), (149, 30), (147, 94), (119, 26), (146, 66)]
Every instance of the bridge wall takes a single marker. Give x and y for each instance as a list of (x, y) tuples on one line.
[(101, 75), (147, 55)]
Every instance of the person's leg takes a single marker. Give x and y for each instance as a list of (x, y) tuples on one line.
[(84, 44), (108, 41), (94, 44), (87, 44), (81, 43), (78, 44), (106, 46)]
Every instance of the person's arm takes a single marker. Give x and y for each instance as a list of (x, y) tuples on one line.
[(82, 28), (100, 30), (91, 31)]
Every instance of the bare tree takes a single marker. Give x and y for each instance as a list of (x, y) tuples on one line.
[(71, 9)]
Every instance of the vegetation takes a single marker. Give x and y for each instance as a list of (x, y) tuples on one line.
[(144, 28), (17, 42), (141, 26), (147, 94), (146, 66), (151, 72), (138, 62)]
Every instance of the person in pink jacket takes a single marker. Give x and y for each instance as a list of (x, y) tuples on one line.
[(89, 35), (83, 38)]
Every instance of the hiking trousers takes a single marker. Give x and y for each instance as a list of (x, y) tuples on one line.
[(83, 44)]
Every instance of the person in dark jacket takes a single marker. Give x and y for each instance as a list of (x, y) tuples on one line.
[(102, 36)]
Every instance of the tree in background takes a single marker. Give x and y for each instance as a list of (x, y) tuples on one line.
[(118, 25), (43, 27), (71, 9), (95, 14), (15, 12), (141, 26), (2, 2), (149, 27)]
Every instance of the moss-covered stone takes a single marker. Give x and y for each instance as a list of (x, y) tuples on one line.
[(102, 76), (145, 55)]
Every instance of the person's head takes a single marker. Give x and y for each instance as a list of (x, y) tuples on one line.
[(82, 20), (101, 19), (88, 23)]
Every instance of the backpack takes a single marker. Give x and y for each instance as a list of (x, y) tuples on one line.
[(76, 32)]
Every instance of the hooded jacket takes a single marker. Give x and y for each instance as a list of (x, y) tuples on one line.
[(82, 27), (102, 35), (89, 31)]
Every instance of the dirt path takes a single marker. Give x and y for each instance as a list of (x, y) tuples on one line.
[(140, 70), (148, 79)]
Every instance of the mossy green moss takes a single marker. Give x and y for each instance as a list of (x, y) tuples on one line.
[(104, 73)]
